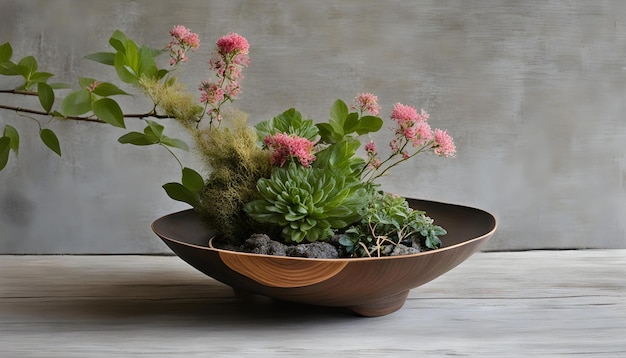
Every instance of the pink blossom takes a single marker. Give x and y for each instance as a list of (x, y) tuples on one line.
[(232, 89), (180, 32), (443, 144), (182, 41), (423, 133), (285, 146), (183, 37), (395, 146), (211, 93), (370, 148), (216, 63), (375, 163), (366, 102), (233, 43), (402, 114), (235, 72), (408, 132), (241, 59), (423, 116)]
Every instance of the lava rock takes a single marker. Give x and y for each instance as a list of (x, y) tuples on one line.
[(317, 250), (404, 250), (262, 244)]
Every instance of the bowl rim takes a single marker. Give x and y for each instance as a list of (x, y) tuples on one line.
[(348, 259)]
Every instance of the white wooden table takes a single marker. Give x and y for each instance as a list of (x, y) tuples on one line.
[(509, 304)]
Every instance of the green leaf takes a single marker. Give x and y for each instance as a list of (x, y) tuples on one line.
[(132, 55), (8, 68), (352, 120), (137, 138), (39, 77), (12, 134), (50, 140), (192, 180), (6, 52), (122, 69), (146, 63), (175, 143), (162, 73), (103, 89), (328, 133), (154, 129), (369, 124), (118, 41), (178, 192), (86, 82), (46, 96), (106, 89), (76, 103), (109, 111), (27, 66), (338, 115), (5, 148), (106, 58)]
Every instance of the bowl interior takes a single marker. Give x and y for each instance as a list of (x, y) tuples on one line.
[(462, 223)]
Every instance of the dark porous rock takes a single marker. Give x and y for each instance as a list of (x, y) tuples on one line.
[(317, 250), (262, 244), (404, 250)]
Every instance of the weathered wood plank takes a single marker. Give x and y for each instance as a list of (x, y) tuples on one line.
[(515, 304)]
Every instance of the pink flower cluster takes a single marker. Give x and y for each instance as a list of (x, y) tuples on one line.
[(412, 130), (366, 102), (233, 42), (210, 92), (285, 147), (373, 161), (443, 144), (412, 126), (182, 41), (230, 57)]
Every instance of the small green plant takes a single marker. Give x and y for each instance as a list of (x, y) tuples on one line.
[(387, 223)]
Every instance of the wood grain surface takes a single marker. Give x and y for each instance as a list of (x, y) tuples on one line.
[(513, 304)]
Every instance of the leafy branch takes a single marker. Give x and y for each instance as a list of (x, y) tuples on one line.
[(93, 101)]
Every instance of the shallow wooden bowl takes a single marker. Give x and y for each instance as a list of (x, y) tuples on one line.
[(366, 286)]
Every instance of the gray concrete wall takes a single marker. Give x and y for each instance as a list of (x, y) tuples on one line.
[(534, 93)]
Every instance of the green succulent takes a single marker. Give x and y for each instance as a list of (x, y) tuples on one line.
[(308, 203)]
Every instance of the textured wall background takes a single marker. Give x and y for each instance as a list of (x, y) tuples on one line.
[(534, 93)]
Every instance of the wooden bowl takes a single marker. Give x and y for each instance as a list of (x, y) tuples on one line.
[(366, 286)]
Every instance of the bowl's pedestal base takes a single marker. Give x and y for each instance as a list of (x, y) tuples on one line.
[(381, 307)]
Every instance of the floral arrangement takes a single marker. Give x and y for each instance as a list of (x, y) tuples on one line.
[(286, 178)]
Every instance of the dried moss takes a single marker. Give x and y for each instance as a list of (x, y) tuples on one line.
[(236, 162), (173, 100)]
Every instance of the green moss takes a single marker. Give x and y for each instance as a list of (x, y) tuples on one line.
[(236, 162), (173, 100)]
